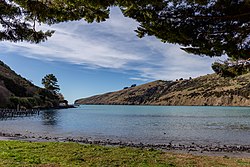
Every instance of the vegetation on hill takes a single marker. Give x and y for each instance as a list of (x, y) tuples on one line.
[(206, 90), (16, 90)]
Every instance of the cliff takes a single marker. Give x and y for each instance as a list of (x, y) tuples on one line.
[(16, 90), (211, 90)]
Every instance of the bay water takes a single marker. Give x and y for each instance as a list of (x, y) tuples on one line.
[(145, 124)]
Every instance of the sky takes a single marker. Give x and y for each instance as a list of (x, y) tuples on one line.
[(90, 59)]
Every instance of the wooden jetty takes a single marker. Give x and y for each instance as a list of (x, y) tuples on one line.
[(5, 113)]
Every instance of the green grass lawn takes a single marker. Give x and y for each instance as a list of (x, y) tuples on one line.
[(55, 154)]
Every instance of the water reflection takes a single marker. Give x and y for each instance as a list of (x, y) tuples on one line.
[(49, 117)]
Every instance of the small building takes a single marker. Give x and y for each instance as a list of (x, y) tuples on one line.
[(63, 103)]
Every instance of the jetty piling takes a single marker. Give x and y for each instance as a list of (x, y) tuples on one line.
[(5, 113)]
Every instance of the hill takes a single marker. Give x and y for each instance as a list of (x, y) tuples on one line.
[(16, 90), (211, 90)]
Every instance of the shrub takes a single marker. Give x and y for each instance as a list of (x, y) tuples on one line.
[(230, 70), (134, 85)]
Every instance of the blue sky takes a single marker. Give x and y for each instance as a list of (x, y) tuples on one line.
[(90, 59)]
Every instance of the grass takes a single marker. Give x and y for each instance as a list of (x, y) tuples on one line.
[(54, 154)]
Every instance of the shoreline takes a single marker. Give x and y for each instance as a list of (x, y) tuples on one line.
[(155, 105), (240, 151)]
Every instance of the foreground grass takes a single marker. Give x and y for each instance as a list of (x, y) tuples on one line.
[(54, 154)]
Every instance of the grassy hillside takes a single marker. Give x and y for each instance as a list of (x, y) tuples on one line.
[(15, 90), (205, 90)]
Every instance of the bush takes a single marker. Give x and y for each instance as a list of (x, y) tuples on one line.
[(134, 85), (50, 98), (27, 102), (15, 101), (230, 70)]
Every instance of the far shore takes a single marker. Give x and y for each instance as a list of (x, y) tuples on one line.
[(241, 151), (43, 108), (124, 104)]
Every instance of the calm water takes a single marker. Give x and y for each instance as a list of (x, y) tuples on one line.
[(147, 124)]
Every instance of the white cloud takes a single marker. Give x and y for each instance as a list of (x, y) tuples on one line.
[(138, 79), (114, 45)]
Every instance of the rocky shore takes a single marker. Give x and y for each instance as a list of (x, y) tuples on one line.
[(193, 148)]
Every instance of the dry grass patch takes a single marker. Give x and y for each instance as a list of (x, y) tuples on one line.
[(188, 160)]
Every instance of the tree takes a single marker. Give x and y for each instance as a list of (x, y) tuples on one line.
[(229, 68), (212, 28), (18, 24), (18, 18), (50, 83), (202, 27), (133, 85)]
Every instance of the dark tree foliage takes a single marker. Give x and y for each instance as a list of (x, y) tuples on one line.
[(203, 27), (18, 25), (18, 18), (50, 83), (229, 69), (211, 28)]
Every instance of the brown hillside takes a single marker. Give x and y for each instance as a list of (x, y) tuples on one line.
[(16, 90), (206, 90), (4, 95)]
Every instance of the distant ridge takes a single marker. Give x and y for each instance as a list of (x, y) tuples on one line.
[(211, 90)]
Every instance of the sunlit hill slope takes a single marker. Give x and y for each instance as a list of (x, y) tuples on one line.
[(211, 90)]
